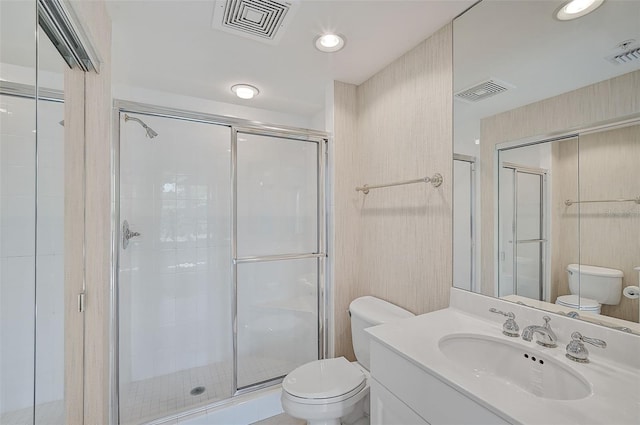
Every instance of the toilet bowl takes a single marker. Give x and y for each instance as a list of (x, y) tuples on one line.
[(325, 391), (574, 302), (336, 391)]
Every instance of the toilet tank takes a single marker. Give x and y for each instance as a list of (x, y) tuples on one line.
[(366, 312), (597, 283)]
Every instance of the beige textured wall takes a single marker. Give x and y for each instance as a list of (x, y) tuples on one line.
[(564, 221), (396, 242), (601, 102), (96, 89)]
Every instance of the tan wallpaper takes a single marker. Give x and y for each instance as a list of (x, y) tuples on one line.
[(395, 243), (564, 233)]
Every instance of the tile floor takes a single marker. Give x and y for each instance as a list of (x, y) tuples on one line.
[(149, 399)]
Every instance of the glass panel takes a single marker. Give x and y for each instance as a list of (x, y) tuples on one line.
[(50, 326), (17, 213), (462, 236), (528, 278), (277, 196), (174, 280), (529, 206), (277, 318), (505, 230)]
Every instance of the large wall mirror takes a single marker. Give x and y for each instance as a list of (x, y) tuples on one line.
[(546, 152)]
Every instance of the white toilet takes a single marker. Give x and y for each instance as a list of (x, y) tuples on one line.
[(590, 287), (335, 391)]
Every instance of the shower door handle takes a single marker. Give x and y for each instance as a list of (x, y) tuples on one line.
[(127, 234)]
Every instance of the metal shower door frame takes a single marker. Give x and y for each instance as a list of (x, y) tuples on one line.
[(320, 254), (236, 125), (541, 240), (472, 216)]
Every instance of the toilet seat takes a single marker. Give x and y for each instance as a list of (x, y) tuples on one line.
[(578, 303), (324, 381)]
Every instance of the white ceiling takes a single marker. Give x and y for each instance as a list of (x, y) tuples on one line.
[(171, 46)]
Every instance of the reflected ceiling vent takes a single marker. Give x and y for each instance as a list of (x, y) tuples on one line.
[(483, 90), (260, 20), (625, 57)]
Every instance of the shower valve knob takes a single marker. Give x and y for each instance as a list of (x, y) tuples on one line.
[(127, 234)]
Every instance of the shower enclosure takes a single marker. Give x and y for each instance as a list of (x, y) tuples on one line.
[(220, 271), (464, 222), (522, 231)]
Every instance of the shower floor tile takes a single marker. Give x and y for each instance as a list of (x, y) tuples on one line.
[(150, 399)]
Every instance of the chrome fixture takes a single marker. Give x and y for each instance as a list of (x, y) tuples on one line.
[(576, 350), (569, 202), (150, 132), (547, 337), (127, 234), (510, 327), (436, 181)]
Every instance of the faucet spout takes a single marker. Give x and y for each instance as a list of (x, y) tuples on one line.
[(546, 336)]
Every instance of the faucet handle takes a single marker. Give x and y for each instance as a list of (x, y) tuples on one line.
[(576, 350), (510, 327), (546, 319)]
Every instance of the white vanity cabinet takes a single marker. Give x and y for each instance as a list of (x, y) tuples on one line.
[(403, 393)]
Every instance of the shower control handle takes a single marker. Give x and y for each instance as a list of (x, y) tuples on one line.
[(127, 234)]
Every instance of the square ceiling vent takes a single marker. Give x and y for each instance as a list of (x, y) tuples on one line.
[(260, 20), (483, 90)]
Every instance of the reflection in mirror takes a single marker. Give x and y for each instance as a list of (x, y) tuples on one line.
[(546, 113), (50, 255), (17, 212)]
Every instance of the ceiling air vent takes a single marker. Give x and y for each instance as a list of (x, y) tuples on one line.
[(625, 57), (260, 20), (482, 91)]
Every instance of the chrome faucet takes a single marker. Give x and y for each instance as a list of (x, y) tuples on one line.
[(546, 338), (510, 327), (576, 350)]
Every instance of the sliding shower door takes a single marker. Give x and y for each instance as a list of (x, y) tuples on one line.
[(221, 259), (277, 256), (522, 230)]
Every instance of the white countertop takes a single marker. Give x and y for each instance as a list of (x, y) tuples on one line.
[(615, 397)]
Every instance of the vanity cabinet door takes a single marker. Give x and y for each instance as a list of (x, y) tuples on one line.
[(388, 409)]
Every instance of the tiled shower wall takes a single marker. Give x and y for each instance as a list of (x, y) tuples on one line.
[(20, 267), (174, 291)]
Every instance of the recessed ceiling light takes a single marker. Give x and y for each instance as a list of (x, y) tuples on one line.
[(577, 8), (245, 91), (329, 42)]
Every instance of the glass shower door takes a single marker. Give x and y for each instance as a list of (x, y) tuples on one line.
[(278, 256), (521, 228)]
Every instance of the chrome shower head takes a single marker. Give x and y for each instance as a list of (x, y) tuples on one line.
[(150, 132)]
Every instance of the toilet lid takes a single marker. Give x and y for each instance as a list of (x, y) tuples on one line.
[(324, 379), (576, 302)]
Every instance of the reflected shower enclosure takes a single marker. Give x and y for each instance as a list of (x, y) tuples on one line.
[(221, 265)]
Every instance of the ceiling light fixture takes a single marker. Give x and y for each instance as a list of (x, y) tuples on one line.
[(574, 9), (245, 91), (329, 43)]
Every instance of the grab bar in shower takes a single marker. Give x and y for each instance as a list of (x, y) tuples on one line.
[(435, 180), (569, 202)]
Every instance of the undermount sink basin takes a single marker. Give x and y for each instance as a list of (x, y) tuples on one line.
[(489, 358)]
